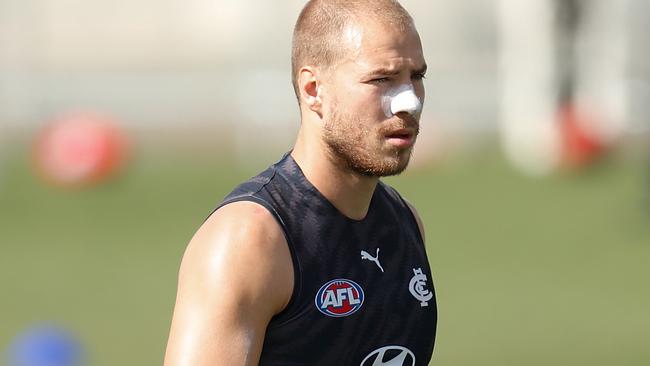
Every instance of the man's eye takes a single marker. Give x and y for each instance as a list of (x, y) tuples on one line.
[(380, 80), (419, 76)]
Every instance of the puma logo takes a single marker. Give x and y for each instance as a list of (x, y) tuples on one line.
[(366, 255)]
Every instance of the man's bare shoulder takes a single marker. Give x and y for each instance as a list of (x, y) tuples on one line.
[(240, 220), (236, 274), (242, 240)]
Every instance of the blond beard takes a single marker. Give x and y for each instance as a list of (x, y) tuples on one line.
[(359, 148)]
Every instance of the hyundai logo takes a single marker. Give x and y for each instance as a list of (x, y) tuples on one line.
[(390, 356)]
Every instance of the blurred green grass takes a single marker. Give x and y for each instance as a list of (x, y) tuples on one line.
[(527, 272)]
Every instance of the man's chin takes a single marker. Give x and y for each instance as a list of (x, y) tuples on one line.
[(402, 161), (394, 165), (397, 170)]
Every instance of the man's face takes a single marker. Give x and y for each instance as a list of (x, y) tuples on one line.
[(359, 127)]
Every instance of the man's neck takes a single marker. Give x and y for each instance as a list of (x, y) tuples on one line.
[(348, 191)]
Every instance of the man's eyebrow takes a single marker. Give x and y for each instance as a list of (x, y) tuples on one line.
[(391, 71), (388, 71)]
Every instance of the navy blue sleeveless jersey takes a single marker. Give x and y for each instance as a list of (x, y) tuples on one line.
[(363, 292)]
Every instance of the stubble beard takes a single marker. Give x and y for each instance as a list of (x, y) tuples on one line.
[(361, 149)]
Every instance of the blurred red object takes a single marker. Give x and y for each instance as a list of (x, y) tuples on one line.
[(80, 149), (582, 146)]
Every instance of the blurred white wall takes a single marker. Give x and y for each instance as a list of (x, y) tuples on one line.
[(199, 64), (178, 63)]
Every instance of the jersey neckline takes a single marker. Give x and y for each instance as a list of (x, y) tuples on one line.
[(290, 167)]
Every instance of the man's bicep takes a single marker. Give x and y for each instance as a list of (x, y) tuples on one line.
[(225, 294)]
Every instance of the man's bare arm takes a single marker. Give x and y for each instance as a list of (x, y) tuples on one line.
[(235, 275)]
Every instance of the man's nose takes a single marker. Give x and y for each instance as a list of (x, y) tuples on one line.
[(406, 101)]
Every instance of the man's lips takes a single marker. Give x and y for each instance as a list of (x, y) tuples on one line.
[(404, 137)]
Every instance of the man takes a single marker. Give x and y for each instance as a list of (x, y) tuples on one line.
[(315, 261)]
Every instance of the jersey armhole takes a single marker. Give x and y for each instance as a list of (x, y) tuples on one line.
[(415, 220), (390, 190), (286, 313)]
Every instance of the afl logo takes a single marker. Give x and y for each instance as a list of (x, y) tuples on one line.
[(390, 356), (339, 298)]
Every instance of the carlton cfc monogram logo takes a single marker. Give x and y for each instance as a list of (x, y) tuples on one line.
[(339, 298), (418, 287)]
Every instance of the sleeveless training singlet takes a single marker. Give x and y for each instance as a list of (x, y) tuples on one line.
[(363, 292)]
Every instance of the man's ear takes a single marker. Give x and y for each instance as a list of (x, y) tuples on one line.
[(310, 88)]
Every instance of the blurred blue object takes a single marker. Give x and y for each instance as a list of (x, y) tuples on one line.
[(45, 345)]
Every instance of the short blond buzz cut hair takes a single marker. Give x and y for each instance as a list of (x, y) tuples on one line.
[(320, 26)]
